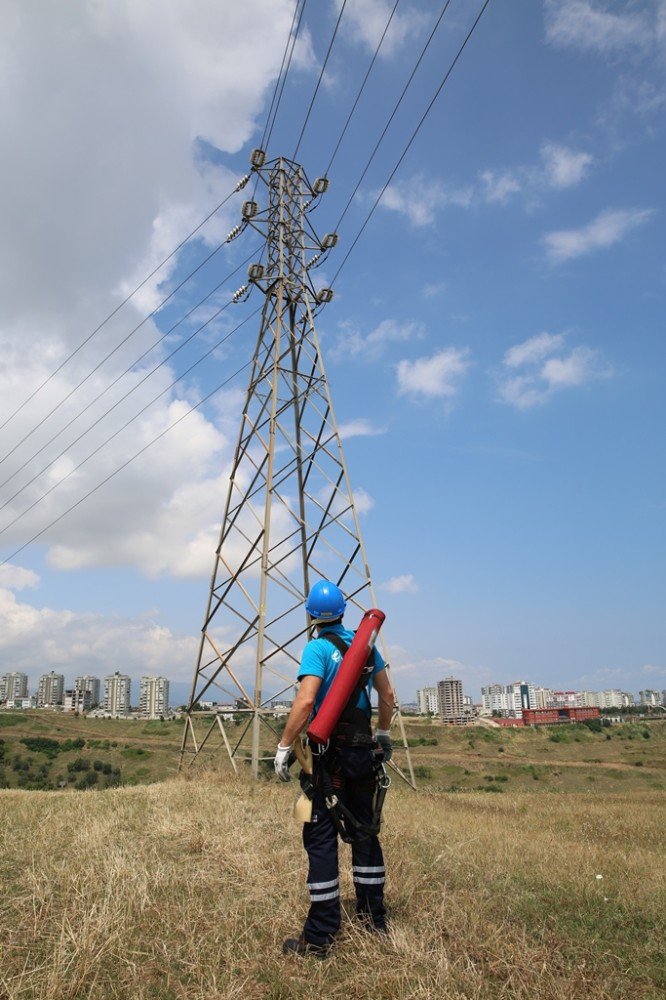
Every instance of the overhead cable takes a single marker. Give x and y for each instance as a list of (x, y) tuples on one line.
[(129, 460), (130, 392), (241, 184), (118, 378), (232, 235), (361, 89), (412, 138), (284, 79), (394, 112), (115, 434), (321, 77), (279, 76)]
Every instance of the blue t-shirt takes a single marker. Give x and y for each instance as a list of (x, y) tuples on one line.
[(322, 659)]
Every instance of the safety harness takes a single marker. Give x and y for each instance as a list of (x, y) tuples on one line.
[(352, 730)]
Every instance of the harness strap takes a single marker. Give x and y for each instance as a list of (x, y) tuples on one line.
[(366, 673), (344, 819)]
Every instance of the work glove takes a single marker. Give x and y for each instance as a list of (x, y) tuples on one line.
[(383, 737), (281, 763)]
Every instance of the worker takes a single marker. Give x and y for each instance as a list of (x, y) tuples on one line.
[(348, 764)]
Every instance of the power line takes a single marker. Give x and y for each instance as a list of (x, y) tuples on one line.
[(126, 396), (394, 112), (247, 364), (362, 88), (116, 348), (279, 77), (284, 79), (121, 376), (115, 434), (321, 77), (239, 187), (129, 460), (412, 138)]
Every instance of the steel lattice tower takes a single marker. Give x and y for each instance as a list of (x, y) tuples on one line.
[(289, 517)]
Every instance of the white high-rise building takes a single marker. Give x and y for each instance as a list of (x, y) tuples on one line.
[(543, 698), (588, 699), (428, 701), (90, 684), (117, 693), (510, 699), (451, 706), (50, 690), (493, 698), (649, 698), (154, 697), (13, 686), (611, 699)]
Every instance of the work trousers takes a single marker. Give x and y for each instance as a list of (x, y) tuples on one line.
[(320, 839)]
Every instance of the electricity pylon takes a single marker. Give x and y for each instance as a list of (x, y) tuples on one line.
[(290, 517)]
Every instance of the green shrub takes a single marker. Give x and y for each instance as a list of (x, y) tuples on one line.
[(41, 744), (9, 720), (420, 771), (131, 752), (80, 764)]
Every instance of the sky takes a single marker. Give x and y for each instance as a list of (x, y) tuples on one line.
[(495, 347)]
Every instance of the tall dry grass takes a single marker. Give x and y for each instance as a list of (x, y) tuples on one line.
[(187, 889)]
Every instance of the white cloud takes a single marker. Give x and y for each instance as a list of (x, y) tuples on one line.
[(142, 137), (564, 167), (364, 22), (419, 199), (405, 584), (363, 502), (352, 343), (608, 228), (359, 428), (435, 376), (540, 366), (35, 639), (432, 289), (533, 349), (498, 187), (17, 577), (587, 26)]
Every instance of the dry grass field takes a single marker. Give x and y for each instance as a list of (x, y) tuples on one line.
[(185, 889)]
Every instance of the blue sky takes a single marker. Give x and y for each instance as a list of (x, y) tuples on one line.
[(495, 347)]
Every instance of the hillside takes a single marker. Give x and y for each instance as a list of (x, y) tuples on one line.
[(620, 758), (185, 889)]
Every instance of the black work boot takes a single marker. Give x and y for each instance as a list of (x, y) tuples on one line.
[(299, 946)]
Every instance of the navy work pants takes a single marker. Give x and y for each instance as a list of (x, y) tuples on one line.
[(320, 839)]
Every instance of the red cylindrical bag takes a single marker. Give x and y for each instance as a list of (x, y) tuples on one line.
[(347, 677)]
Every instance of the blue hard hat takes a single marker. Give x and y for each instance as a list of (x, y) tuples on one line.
[(325, 601)]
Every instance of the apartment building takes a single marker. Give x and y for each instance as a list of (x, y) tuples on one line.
[(77, 700), (91, 685), (50, 690), (154, 696), (13, 686), (451, 704), (427, 700), (117, 693)]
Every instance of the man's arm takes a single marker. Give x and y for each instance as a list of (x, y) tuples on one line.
[(301, 709), (382, 686)]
